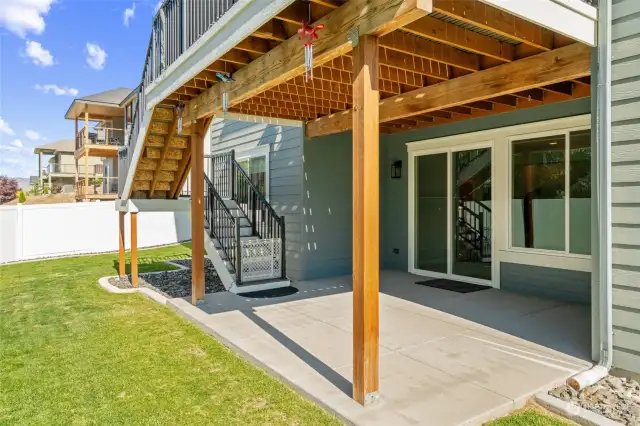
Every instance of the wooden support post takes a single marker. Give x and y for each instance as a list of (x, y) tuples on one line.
[(197, 212), (365, 220), (40, 170), (122, 271), (134, 248), (86, 128), (86, 170)]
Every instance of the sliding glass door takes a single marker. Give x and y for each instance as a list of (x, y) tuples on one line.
[(452, 214)]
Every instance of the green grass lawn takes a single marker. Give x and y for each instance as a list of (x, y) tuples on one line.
[(71, 353), (531, 416)]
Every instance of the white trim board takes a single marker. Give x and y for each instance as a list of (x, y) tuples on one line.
[(500, 141), (573, 18)]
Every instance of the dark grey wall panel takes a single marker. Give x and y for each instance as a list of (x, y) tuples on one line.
[(550, 283), (285, 172), (327, 206)]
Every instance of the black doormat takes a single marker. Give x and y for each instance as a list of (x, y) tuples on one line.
[(457, 286), (271, 293)]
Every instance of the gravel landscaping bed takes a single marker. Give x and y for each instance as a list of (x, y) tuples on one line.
[(617, 398), (176, 283)]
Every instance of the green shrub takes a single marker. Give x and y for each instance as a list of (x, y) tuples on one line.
[(56, 188), (22, 197), (45, 189)]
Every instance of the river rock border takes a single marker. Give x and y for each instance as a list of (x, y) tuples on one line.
[(150, 293)]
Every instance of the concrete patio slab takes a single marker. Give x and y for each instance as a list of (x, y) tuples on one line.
[(445, 358)]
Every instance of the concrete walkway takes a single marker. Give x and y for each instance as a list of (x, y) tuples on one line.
[(445, 358)]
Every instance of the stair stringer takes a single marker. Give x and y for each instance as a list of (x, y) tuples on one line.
[(136, 154), (221, 266)]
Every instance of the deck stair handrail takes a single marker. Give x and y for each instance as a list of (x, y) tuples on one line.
[(232, 183), (223, 226), (176, 26)]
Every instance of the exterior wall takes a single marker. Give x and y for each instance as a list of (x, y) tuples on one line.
[(327, 206), (35, 231), (626, 183), (394, 192), (284, 144), (551, 283)]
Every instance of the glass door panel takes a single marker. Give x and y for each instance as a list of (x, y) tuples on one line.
[(431, 213), (471, 209)]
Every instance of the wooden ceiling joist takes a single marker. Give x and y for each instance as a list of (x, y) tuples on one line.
[(461, 38), (286, 60), (547, 68)]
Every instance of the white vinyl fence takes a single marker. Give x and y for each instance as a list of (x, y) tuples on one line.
[(31, 232)]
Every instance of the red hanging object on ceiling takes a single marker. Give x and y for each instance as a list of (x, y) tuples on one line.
[(308, 35)]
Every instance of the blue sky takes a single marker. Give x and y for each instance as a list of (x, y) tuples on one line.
[(52, 51)]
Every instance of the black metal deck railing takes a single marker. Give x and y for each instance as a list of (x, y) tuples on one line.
[(176, 26)]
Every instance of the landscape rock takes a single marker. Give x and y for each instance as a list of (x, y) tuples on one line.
[(617, 398), (176, 283)]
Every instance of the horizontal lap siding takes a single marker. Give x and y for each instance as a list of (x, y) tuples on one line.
[(285, 172), (625, 174)]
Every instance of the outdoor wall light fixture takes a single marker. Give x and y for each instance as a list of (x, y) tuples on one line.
[(396, 169)]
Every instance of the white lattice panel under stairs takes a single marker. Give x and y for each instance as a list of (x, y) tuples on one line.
[(261, 259)]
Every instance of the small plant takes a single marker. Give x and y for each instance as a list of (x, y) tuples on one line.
[(22, 197), (56, 188), (45, 189), (35, 188)]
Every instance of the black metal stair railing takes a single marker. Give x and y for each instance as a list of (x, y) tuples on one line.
[(222, 226), (232, 182), (472, 219)]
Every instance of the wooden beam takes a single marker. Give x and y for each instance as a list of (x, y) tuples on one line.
[(134, 248), (286, 60), (272, 30), (197, 212), (492, 19), (122, 271), (253, 45), (173, 131), (366, 207), (546, 68)]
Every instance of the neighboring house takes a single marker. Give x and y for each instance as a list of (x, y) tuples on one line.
[(490, 158), (61, 168), (103, 133)]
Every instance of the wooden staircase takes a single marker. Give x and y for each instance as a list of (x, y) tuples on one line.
[(165, 160)]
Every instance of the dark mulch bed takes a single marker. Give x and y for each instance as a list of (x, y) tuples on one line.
[(175, 283)]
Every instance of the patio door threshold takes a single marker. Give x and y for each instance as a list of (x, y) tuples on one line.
[(452, 277)]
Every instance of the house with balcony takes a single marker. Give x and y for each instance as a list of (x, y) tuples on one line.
[(61, 168), (100, 124), (481, 143)]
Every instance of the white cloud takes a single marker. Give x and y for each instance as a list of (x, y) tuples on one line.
[(5, 128), (156, 8), (16, 147), (17, 143), (38, 54), (24, 16), (56, 90), (33, 135), (96, 56), (129, 13)]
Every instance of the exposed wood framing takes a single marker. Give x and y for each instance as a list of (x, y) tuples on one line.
[(163, 155), (286, 60), (366, 189), (134, 249), (122, 271), (551, 67), (197, 212)]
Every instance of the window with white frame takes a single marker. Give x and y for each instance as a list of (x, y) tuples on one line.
[(551, 192), (255, 164)]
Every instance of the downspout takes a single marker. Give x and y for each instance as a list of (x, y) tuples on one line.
[(589, 377)]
